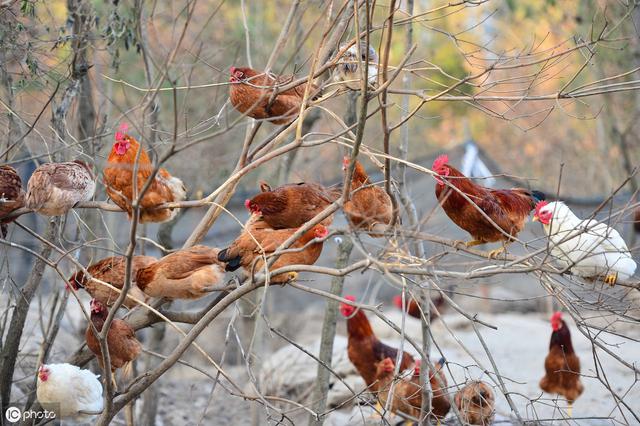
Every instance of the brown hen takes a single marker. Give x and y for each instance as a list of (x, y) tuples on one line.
[(185, 274), (365, 350), (368, 207), (12, 196), (111, 270), (258, 239), (250, 92), (562, 365), (118, 178), (475, 403), (292, 205), (121, 338)]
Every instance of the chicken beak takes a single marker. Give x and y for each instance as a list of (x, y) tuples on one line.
[(535, 219)]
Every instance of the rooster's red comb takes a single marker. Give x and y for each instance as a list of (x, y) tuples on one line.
[(440, 161), (122, 131), (232, 70), (350, 298), (557, 316), (539, 206)]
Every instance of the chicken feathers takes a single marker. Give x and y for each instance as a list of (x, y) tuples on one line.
[(185, 274), (118, 178), (12, 196), (111, 270), (55, 188)]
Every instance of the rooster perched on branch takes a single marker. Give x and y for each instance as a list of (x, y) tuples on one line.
[(118, 178), (251, 90), (507, 208), (589, 248)]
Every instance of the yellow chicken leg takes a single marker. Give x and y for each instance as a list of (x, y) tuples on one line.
[(569, 410), (495, 253), (611, 279)]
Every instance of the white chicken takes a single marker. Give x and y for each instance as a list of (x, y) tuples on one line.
[(589, 248), (55, 188), (69, 391), (348, 70)]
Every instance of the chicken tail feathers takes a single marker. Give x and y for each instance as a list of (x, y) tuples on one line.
[(232, 263), (538, 196)]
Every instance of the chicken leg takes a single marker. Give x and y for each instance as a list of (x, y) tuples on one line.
[(611, 279), (569, 409), (467, 244)]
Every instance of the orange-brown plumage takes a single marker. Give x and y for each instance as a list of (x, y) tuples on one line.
[(291, 205), (118, 179), (185, 274), (365, 350), (413, 308), (111, 270), (251, 90), (12, 196), (407, 392), (475, 402), (562, 365), (123, 345), (508, 208), (368, 206), (258, 239)]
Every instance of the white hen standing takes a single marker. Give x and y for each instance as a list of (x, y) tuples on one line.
[(589, 248), (69, 391)]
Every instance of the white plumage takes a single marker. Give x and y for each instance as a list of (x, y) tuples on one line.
[(69, 391), (590, 248), (348, 70)]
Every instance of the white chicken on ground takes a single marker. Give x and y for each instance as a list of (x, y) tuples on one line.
[(69, 391), (590, 249)]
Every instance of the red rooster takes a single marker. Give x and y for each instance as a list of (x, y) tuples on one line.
[(250, 92), (507, 208), (364, 348), (562, 365)]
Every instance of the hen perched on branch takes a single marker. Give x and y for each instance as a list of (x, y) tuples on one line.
[(258, 240), (589, 248), (507, 208), (292, 205), (111, 270), (55, 188), (118, 178), (368, 207), (251, 90), (348, 66), (185, 274), (123, 345), (12, 196)]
